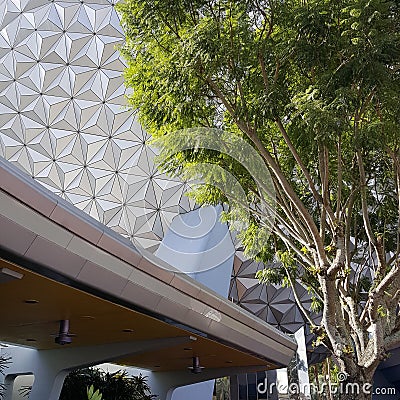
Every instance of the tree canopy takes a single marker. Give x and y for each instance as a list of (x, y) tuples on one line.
[(314, 87)]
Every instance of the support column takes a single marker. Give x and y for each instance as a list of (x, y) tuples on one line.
[(8, 386), (48, 383)]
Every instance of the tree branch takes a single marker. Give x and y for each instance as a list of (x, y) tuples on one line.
[(263, 72), (317, 196), (290, 214), (339, 178), (353, 317), (364, 207), (323, 159), (286, 186), (298, 301)]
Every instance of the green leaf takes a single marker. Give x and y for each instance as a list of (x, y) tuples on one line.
[(355, 12), (93, 395)]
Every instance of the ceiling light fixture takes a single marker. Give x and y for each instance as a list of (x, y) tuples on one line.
[(196, 368), (64, 336)]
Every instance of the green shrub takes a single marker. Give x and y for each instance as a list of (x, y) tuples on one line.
[(111, 386)]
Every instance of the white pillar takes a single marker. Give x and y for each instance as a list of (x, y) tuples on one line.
[(48, 384)]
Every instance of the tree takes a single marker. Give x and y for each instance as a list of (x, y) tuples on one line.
[(313, 87)]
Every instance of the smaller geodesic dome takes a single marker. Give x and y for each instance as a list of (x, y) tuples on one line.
[(272, 303)]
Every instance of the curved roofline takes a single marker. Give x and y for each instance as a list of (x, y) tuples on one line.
[(68, 244)]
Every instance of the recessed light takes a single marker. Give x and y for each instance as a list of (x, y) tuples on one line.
[(88, 317), (7, 275), (127, 330), (31, 301), (187, 349)]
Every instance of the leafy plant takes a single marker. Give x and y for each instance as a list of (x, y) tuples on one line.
[(92, 394), (112, 386)]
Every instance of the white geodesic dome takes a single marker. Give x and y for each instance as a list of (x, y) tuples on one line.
[(63, 115)]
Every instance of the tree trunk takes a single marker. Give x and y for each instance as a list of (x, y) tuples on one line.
[(355, 387)]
